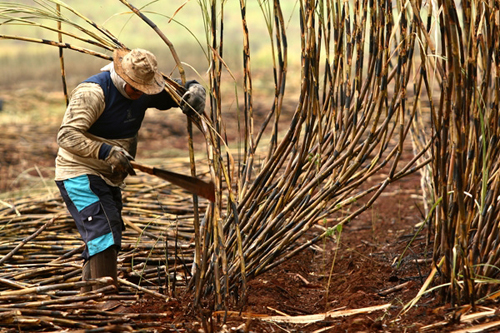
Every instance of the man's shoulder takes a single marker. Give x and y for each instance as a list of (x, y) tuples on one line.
[(88, 90), (101, 77)]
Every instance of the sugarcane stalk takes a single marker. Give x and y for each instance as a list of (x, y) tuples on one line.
[(42, 289), (61, 57), (26, 240), (57, 44), (47, 303), (147, 291)]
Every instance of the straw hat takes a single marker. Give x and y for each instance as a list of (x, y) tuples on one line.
[(139, 69)]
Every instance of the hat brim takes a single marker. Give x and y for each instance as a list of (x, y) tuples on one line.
[(157, 86)]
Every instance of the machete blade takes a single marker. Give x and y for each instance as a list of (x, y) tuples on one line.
[(191, 184)]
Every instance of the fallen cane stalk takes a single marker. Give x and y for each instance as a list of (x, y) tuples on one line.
[(139, 230), (109, 328), (422, 290), (102, 290), (26, 240), (394, 289), (27, 298), (42, 289), (70, 299), (69, 323), (133, 285), (14, 283), (9, 314)]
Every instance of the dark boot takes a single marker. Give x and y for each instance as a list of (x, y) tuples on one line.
[(85, 277), (104, 264)]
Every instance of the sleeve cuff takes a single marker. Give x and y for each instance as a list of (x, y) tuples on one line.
[(104, 151)]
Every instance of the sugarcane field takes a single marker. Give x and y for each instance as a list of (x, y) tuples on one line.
[(249, 166)]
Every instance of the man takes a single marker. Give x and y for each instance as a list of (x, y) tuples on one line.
[(97, 138)]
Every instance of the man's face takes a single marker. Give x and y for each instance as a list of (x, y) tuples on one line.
[(132, 92)]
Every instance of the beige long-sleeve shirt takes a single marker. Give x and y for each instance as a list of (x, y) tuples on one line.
[(78, 152)]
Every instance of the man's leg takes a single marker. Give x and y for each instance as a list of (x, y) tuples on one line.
[(96, 209), (104, 264), (86, 276)]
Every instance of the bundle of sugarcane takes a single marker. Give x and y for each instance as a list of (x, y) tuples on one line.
[(464, 210), (351, 120)]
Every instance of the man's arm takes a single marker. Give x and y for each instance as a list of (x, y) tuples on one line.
[(162, 101), (85, 107), (194, 96)]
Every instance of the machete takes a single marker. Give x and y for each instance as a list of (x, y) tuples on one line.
[(192, 184)]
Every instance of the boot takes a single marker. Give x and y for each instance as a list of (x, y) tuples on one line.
[(86, 277), (104, 264)]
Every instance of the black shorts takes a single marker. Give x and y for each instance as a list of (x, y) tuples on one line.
[(96, 208)]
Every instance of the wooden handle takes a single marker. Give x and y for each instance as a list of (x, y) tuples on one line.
[(144, 168)]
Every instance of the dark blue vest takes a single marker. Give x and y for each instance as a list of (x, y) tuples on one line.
[(122, 117)]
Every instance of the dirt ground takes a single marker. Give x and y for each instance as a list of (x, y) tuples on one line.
[(363, 264), (364, 270)]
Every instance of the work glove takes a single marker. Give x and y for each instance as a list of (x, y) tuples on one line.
[(193, 101), (119, 159)]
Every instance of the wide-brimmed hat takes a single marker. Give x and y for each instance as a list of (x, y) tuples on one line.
[(139, 69)]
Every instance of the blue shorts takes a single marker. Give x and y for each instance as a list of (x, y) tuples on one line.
[(96, 208)]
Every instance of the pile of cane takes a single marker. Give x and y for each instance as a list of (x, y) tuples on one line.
[(40, 264)]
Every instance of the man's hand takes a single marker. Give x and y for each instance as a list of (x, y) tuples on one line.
[(119, 159), (193, 101)]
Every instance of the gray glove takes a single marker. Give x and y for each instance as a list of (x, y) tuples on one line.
[(119, 159), (193, 101)]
